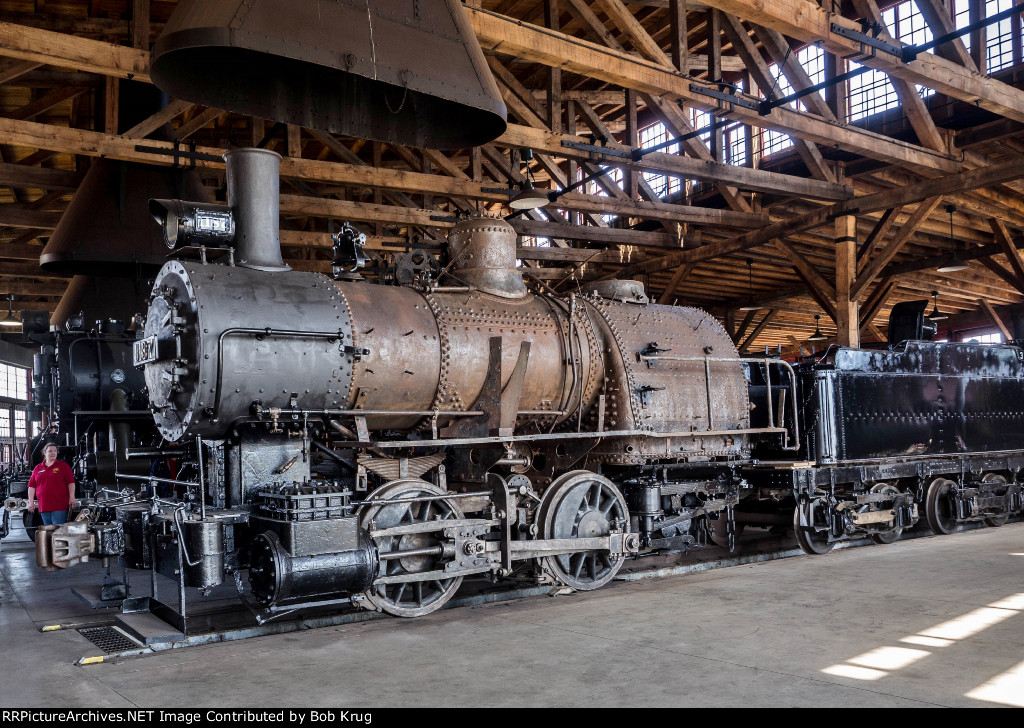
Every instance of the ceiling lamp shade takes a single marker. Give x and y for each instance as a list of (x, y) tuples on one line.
[(817, 335), (411, 73), (10, 321), (529, 198), (955, 264)]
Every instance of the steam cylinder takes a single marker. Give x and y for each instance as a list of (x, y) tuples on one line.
[(277, 577)]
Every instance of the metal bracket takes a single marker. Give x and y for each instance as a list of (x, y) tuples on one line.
[(595, 149), (734, 99), (866, 40)]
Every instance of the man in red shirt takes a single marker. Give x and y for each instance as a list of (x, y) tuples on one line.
[(54, 483)]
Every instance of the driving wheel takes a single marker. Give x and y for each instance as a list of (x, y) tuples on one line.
[(581, 504), (410, 595)]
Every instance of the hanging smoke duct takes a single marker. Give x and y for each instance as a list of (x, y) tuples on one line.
[(106, 229), (409, 72)]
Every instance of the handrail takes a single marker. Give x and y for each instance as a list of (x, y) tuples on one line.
[(745, 361)]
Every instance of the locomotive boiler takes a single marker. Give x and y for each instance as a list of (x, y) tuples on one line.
[(468, 425)]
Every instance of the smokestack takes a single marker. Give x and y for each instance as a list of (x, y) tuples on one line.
[(254, 196)]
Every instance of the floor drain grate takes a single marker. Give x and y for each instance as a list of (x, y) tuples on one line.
[(109, 639)]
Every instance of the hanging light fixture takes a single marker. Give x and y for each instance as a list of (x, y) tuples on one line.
[(529, 197), (936, 314), (751, 305), (817, 335), (10, 321), (955, 264)]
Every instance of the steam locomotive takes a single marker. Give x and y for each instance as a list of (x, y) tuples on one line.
[(88, 399), (375, 445)]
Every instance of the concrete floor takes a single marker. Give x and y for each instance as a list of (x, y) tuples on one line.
[(935, 621)]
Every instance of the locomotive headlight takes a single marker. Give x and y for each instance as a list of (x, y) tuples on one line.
[(193, 223)]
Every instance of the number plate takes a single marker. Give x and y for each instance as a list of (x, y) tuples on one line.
[(145, 351)]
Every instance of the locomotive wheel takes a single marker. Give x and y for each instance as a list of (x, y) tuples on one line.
[(811, 542), (1002, 518), (31, 520), (720, 536), (410, 598), (938, 507), (893, 533), (581, 504)]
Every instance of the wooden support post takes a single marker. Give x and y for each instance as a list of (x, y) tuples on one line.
[(110, 104), (835, 95), (294, 141), (677, 34), (715, 72), (554, 84), (140, 24), (978, 37), (630, 176), (378, 195), (572, 166), (257, 129), (847, 316), (427, 168)]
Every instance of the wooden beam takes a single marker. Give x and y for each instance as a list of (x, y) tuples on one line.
[(677, 279), (1005, 243), (910, 100), (23, 251), (140, 24), (806, 21), (1007, 275), (69, 51), (761, 325), (619, 236), (149, 125), (876, 236), (782, 53), (20, 175), (758, 69), (863, 205), (17, 70), (814, 278), (996, 319), (503, 35), (847, 319), (678, 33), (673, 164), (876, 300), (196, 123), (19, 217), (111, 94), (741, 330), (46, 102), (936, 14), (875, 266)]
